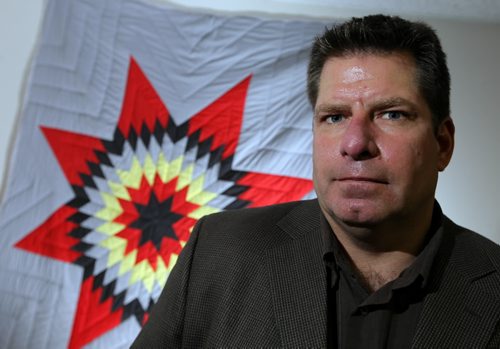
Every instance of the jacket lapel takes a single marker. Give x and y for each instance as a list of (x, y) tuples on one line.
[(460, 311), (298, 279)]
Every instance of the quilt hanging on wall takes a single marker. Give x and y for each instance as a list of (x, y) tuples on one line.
[(137, 120)]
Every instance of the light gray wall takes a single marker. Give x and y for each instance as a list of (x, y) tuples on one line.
[(468, 189), (19, 24)]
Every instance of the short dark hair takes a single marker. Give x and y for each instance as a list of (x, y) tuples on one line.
[(380, 34)]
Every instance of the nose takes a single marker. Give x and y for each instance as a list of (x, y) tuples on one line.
[(358, 140)]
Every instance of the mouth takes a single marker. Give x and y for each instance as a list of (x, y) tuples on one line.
[(362, 180)]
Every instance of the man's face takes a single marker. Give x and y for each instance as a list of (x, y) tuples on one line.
[(376, 156)]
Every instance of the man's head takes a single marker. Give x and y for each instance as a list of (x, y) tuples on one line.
[(381, 134), (379, 34)]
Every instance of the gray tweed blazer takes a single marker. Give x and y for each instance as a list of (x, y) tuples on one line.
[(255, 278)]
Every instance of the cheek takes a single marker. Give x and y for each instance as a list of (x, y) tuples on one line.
[(321, 161), (323, 150), (411, 161)]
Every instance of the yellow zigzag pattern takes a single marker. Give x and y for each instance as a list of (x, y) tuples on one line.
[(131, 178)]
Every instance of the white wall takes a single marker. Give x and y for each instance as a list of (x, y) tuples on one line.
[(468, 189)]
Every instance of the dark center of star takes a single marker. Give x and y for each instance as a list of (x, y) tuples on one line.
[(156, 220)]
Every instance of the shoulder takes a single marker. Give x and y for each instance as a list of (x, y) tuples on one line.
[(472, 243), (255, 219), (248, 215), (254, 228), (474, 255)]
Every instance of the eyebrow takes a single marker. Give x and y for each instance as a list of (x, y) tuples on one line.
[(377, 105), (332, 108), (392, 102)]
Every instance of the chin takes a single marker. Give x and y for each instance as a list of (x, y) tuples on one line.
[(356, 213), (358, 220)]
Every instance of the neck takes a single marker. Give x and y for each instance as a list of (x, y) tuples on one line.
[(380, 253)]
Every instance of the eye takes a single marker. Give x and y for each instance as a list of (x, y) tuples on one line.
[(334, 119), (392, 115)]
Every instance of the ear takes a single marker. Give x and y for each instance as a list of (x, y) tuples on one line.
[(446, 142)]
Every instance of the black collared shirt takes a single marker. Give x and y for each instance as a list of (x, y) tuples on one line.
[(386, 318)]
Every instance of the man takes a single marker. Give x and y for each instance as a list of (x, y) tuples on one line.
[(372, 262)]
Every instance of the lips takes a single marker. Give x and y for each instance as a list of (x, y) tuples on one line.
[(362, 179)]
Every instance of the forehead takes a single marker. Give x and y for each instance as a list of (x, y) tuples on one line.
[(374, 71)]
